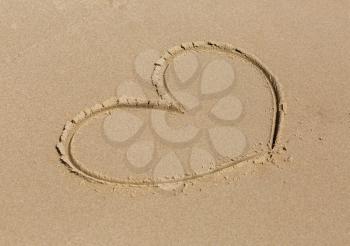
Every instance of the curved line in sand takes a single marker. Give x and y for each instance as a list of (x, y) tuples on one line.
[(166, 102), (158, 77)]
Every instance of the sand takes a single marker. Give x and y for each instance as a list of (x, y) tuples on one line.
[(189, 149)]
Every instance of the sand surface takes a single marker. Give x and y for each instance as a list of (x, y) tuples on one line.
[(60, 57)]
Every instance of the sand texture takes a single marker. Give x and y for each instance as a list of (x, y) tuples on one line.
[(206, 145), (153, 122)]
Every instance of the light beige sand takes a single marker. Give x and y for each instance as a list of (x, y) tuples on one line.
[(61, 57)]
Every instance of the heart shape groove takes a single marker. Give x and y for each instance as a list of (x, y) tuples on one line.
[(179, 142)]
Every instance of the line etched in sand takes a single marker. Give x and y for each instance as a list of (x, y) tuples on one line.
[(172, 101)]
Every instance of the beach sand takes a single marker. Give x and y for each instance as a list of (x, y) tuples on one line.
[(60, 57)]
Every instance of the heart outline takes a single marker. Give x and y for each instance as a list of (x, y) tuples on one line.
[(167, 102)]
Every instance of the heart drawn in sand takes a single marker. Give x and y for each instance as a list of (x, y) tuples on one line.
[(217, 107)]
